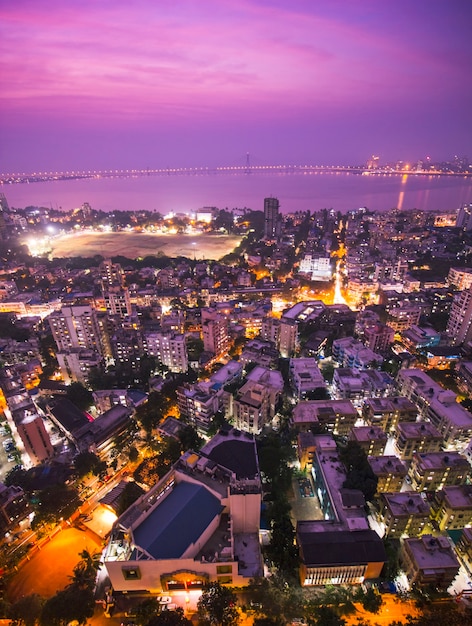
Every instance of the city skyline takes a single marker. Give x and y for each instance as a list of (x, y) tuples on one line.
[(110, 85)]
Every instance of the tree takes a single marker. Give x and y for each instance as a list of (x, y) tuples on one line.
[(80, 396), (89, 463), (69, 604), (217, 606), (370, 600), (130, 494), (54, 503), (146, 610), (85, 572), (170, 618), (326, 616), (359, 473), (27, 610)]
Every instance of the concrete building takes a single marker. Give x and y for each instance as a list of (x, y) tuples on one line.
[(460, 278), (349, 352), (464, 217), (340, 549), (271, 218), (438, 406), (357, 385), (412, 437), (337, 416), (32, 432), (459, 324), (117, 301), (75, 327), (318, 267), (288, 337), (215, 332), (388, 412), (403, 514), (14, 507), (254, 404), (417, 337), (77, 363), (199, 404), (451, 507), (378, 337), (169, 348), (434, 470), (152, 546), (372, 439), (404, 316), (261, 352), (429, 561), (390, 471), (305, 377)]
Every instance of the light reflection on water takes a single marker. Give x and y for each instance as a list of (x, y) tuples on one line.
[(315, 191)]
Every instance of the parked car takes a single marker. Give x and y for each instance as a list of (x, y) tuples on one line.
[(164, 599)]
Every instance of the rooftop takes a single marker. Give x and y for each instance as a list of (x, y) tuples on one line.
[(166, 532)]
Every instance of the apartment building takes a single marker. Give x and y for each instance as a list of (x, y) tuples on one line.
[(337, 416), (403, 514), (305, 377), (451, 507), (437, 405), (169, 348), (414, 437), (429, 561), (390, 471), (372, 439), (434, 470), (388, 412)]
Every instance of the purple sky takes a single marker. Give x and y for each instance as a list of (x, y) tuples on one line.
[(123, 84)]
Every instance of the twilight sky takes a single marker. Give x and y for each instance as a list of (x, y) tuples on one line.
[(156, 83)]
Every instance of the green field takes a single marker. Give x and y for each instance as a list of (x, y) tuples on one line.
[(134, 245)]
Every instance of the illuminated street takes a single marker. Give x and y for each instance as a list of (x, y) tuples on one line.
[(50, 567), (392, 609)]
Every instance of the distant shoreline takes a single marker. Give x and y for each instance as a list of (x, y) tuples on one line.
[(137, 245)]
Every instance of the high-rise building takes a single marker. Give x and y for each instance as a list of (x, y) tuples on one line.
[(215, 332), (464, 217), (169, 347), (75, 327), (34, 436), (459, 324), (271, 217)]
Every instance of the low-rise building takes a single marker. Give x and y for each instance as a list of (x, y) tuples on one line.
[(390, 471), (372, 439), (14, 507), (357, 385), (414, 437), (429, 561), (153, 547), (437, 405), (403, 514), (388, 412), (340, 548), (199, 404), (337, 416), (349, 352), (305, 377), (451, 507), (261, 352), (434, 470)]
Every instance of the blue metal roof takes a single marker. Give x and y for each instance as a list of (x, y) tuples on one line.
[(178, 521)]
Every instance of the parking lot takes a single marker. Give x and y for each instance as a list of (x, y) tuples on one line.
[(9, 454)]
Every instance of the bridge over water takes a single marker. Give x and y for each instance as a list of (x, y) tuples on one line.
[(14, 178)]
